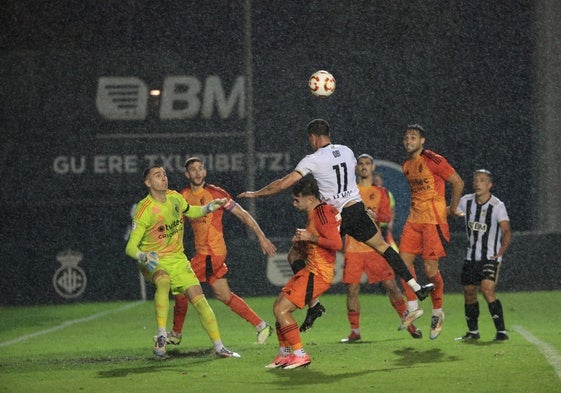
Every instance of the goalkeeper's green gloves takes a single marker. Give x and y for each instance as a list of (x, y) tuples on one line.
[(148, 259), (213, 205)]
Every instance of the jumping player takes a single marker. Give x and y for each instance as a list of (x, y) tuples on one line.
[(333, 166)]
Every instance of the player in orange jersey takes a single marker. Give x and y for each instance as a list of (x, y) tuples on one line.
[(209, 263), (359, 258), (426, 230), (317, 245), (387, 227)]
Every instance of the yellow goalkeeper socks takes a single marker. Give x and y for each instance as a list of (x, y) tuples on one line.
[(207, 317), (161, 300)]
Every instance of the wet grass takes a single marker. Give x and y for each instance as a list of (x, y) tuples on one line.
[(107, 347)]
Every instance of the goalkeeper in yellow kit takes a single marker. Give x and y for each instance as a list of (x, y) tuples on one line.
[(156, 243)]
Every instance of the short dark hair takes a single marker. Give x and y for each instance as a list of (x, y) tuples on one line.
[(192, 160), (416, 127), (318, 127), (146, 172), (306, 186)]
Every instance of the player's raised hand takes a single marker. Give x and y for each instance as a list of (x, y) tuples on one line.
[(267, 247), (247, 194), (214, 205), (455, 212), (302, 235)]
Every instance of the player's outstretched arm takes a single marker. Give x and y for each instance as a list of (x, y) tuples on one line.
[(267, 247), (195, 211), (214, 205), (274, 187)]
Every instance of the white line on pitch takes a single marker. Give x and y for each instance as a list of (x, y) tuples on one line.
[(551, 355), (66, 324)]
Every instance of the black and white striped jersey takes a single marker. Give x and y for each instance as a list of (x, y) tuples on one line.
[(482, 226)]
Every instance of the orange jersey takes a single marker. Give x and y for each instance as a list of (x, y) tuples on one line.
[(378, 200), (208, 230), (323, 222), (427, 176)]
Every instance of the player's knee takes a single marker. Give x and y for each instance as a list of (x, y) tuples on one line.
[(378, 243), (353, 290), (282, 314), (181, 303), (488, 293), (161, 278), (431, 268), (278, 311), (470, 294), (392, 288), (224, 297)]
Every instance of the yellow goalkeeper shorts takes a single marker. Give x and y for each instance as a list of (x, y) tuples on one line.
[(181, 274)]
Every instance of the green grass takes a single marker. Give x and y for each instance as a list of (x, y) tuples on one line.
[(70, 348)]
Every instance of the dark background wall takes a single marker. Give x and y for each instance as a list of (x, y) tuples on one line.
[(70, 173)]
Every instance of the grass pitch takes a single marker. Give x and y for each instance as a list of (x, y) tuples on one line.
[(106, 347)]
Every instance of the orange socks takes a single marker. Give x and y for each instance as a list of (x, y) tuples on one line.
[(179, 312), (438, 293), (240, 307), (354, 319), (292, 336), (399, 306)]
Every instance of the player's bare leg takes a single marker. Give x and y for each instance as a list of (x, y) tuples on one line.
[(239, 306), (378, 243), (179, 313), (397, 300), (208, 320), (433, 274), (288, 336), (414, 311), (315, 308)]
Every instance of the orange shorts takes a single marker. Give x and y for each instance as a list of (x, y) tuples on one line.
[(303, 287), (428, 240), (371, 263), (209, 268)]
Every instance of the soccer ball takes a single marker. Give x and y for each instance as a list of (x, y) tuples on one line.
[(321, 84)]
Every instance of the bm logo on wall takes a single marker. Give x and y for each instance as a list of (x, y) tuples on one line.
[(69, 280), (182, 97)]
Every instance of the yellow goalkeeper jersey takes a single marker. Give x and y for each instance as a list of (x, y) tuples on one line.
[(158, 226)]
